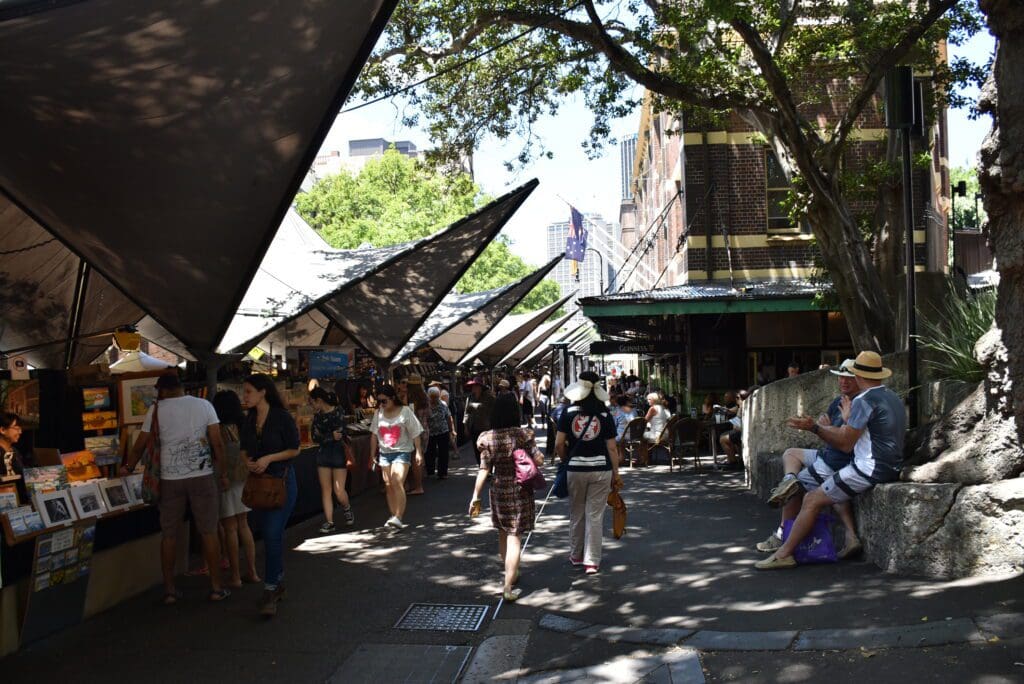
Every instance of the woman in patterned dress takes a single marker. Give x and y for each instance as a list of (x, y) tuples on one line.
[(512, 505)]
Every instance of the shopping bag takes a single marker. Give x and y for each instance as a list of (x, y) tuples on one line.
[(527, 472), (818, 546)]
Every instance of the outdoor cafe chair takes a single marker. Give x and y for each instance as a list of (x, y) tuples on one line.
[(664, 440), (633, 440), (685, 441)]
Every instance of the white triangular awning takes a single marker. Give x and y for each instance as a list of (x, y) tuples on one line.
[(461, 320), (548, 344), (508, 333), (534, 340)]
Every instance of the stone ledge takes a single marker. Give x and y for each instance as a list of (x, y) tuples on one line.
[(944, 531), (911, 636)]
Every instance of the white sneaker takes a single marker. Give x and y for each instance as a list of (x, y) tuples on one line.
[(395, 522)]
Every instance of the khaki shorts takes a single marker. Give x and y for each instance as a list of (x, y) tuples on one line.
[(200, 494)]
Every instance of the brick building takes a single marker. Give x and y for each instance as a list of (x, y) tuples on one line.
[(708, 215)]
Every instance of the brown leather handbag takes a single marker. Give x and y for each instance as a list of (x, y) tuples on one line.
[(264, 492)]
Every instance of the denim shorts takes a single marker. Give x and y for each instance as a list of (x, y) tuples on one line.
[(386, 460)]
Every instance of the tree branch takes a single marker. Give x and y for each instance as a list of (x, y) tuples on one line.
[(888, 58), (788, 11)]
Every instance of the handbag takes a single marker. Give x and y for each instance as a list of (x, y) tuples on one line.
[(264, 492), (817, 547), (561, 486), (618, 512), (527, 472), (151, 462)]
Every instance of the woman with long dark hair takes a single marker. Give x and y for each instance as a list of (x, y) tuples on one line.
[(329, 432), (395, 434), (512, 504), (234, 518), (11, 461), (585, 441), (270, 440)]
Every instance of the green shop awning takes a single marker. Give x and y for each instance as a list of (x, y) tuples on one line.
[(707, 298)]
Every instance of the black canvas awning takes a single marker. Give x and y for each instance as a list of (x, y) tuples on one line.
[(534, 340), (161, 143), (509, 332)]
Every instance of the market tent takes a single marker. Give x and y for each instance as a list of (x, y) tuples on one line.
[(534, 340), (163, 146), (547, 346), (462, 319), (382, 311), (509, 332), (299, 270)]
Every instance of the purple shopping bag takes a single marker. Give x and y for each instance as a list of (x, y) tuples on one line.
[(817, 547)]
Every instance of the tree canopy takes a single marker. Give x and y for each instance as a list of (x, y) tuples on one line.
[(395, 199), (802, 72)]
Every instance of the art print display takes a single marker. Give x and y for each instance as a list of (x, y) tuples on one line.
[(106, 449), (45, 479), (16, 519), (55, 508), (8, 497), (96, 398), (133, 483), (136, 395), (115, 494), (80, 466), (99, 420), (88, 500)]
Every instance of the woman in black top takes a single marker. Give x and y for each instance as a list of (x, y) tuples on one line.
[(329, 432), (11, 461), (270, 440)]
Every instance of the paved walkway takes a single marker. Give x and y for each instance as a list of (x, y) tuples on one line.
[(673, 597)]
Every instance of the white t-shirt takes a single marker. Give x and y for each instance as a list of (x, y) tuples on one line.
[(184, 448), (396, 435)]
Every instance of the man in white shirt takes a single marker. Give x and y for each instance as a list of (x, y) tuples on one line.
[(188, 433)]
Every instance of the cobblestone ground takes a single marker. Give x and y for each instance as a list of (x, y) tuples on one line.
[(677, 600)]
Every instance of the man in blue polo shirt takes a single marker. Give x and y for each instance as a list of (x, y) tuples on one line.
[(874, 432), (807, 469)]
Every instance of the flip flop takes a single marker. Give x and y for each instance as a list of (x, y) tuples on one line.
[(172, 597), (219, 595)]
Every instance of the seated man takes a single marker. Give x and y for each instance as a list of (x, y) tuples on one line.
[(874, 432), (623, 414), (732, 440), (811, 467)]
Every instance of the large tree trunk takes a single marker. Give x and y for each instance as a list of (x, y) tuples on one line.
[(1002, 183), (888, 251)]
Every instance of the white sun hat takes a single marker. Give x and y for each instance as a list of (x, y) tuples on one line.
[(579, 390)]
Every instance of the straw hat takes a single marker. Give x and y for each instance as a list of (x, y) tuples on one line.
[(579, 390), (868, 364), (844, 369)]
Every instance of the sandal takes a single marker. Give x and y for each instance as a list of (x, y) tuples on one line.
[(172, 597), (219, 595), (513, 595)]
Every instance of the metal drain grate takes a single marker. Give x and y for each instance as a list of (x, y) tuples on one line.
[(442, 617)]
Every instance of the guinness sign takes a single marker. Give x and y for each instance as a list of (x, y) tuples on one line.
[(605, 347)]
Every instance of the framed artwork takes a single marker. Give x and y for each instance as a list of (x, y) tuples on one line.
[(135, 395), (133, 483), (99, 420), (115, 494), (88, 500), (96, 398), (55, 508), (81, 466)]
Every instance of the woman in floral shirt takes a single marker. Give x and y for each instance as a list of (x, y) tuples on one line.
[(441, 429)]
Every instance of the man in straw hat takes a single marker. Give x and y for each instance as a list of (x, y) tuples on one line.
[(874, 432), (807, 469)]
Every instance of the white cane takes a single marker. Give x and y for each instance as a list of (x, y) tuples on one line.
[(526, 543)]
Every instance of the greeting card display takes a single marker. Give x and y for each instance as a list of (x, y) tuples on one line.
[(8, 497)]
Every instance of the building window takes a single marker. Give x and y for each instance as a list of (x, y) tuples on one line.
[(777, 190)]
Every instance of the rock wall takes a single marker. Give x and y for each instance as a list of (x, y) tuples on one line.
[(765, 413), (944, 531)]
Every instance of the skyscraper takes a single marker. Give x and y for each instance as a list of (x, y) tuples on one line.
[(595, 270)]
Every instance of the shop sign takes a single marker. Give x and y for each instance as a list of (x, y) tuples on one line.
[(19, 368), (645, 347)]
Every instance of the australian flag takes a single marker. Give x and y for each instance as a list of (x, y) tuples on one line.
[(576, 242)]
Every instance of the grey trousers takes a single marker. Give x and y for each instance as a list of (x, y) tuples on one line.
[(588, 499)]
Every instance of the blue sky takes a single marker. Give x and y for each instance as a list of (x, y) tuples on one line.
[(591, 185)]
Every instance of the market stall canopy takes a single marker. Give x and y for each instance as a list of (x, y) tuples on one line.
[(299, 271), (163, 146), (462, 319), (547, 346), (382, 311), (509, 332), (534, 340)]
